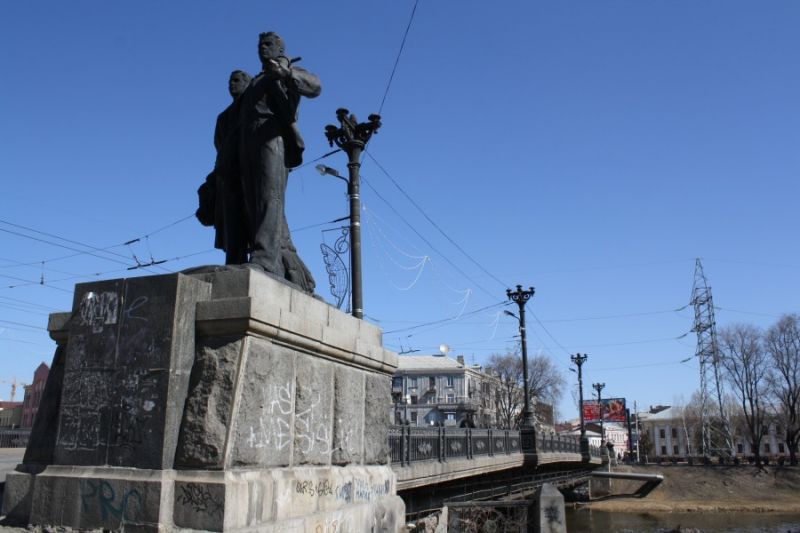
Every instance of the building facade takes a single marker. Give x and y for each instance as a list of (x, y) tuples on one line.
[(671, 435), (434, 390), (33, 395), (10, 414)]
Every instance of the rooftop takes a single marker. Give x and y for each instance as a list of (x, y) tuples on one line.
[(427, 362)]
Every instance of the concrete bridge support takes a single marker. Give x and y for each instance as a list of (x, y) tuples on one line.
[(216, 401)]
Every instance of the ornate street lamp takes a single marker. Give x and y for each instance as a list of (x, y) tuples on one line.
[(352, 136), (599, 388), (578, 360), (520, 297)]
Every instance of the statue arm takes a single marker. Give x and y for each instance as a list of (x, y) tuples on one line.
[(303, 82)]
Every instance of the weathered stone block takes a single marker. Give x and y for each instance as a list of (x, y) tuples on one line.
[(209, 405), (548, 515), (129, 354), (376, 422), (264, 421), (17, 494), (313, 412), (100, 497), (348, 416), (200, 504)]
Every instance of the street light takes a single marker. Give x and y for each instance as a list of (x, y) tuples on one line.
[(352, 136), (599, 388), (578, 360), (520, 297)]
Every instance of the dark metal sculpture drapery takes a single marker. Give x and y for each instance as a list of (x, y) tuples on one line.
[(338, 272)]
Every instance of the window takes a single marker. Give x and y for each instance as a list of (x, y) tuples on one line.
[(675, 450), (766, 447), (431, 382), (663, 450), (412, 382), (413, 417), (740, 448), (397, 382), (674, 433), (662, 434), (780, 448), (449, 381), (451, 417), (451, 398), (413, 398)]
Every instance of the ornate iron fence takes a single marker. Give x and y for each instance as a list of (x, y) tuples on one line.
[(410, 444), (14, 438)]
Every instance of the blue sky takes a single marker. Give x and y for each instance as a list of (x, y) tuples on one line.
[(590, 149)]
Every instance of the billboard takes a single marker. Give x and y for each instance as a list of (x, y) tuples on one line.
[(613, 410)]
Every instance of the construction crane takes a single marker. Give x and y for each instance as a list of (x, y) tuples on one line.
[(14, 384)]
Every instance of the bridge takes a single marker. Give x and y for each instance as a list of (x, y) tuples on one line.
[(465, 464)]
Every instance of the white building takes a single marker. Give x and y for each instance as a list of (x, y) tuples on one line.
[(437, 390)]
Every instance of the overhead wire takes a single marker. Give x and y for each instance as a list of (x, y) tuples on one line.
[(397, 59)]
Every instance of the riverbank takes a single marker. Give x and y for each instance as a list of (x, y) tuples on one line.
[(708, 489)]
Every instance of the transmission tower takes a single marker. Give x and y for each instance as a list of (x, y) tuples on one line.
[(708, 355)]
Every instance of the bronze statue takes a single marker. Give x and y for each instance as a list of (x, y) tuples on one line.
[(266, 144), (221, 194)]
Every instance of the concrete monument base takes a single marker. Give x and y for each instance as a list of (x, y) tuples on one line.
[(222, 401)]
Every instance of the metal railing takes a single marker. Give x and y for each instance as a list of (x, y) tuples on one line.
[(14, 438), (411, 444)]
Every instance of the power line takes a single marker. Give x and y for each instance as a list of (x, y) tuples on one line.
[(449, 319), (397, 59), (434, 224), (426, 241)]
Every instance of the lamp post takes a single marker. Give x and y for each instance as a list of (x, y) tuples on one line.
[(599, 388), (578, 360), (520, 297), (352, 136)]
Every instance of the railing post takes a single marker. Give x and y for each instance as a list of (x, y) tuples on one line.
[(491, 442), (405, 446), (469, 443), (442, 447)]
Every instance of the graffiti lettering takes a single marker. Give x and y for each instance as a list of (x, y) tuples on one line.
[(102, 494), (201, 499)]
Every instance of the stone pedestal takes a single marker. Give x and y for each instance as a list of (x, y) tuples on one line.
[(222, 401)]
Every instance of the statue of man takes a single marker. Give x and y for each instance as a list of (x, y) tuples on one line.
[(269, 144), (221, 194)]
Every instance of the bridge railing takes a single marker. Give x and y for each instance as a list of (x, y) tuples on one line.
[(410, 444), (14, 438)]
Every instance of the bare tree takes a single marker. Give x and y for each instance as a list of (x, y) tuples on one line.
[(746, 368), (782, 342), (545, 382), (509, 392)]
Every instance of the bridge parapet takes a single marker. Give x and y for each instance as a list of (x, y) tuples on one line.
[(412, 444)]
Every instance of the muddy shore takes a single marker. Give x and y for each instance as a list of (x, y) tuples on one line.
[(708, 489)]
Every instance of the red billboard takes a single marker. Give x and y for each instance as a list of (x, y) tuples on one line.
[(613, 410)]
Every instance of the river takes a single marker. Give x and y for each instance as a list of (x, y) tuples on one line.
[(583, 519)]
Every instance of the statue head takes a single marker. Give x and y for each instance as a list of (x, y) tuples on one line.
[(238, 82), (270, 46)]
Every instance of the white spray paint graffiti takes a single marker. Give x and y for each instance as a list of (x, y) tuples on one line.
[(311, 426), (274, 428), (98, 310), (312, 430)]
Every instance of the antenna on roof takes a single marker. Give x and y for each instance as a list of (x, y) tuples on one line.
[(444, 349)]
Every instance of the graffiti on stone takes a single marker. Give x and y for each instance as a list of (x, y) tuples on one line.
[(99, 309), (100, 495), (200, 499)]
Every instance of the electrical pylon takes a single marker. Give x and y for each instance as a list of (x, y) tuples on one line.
[(708, 356)]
